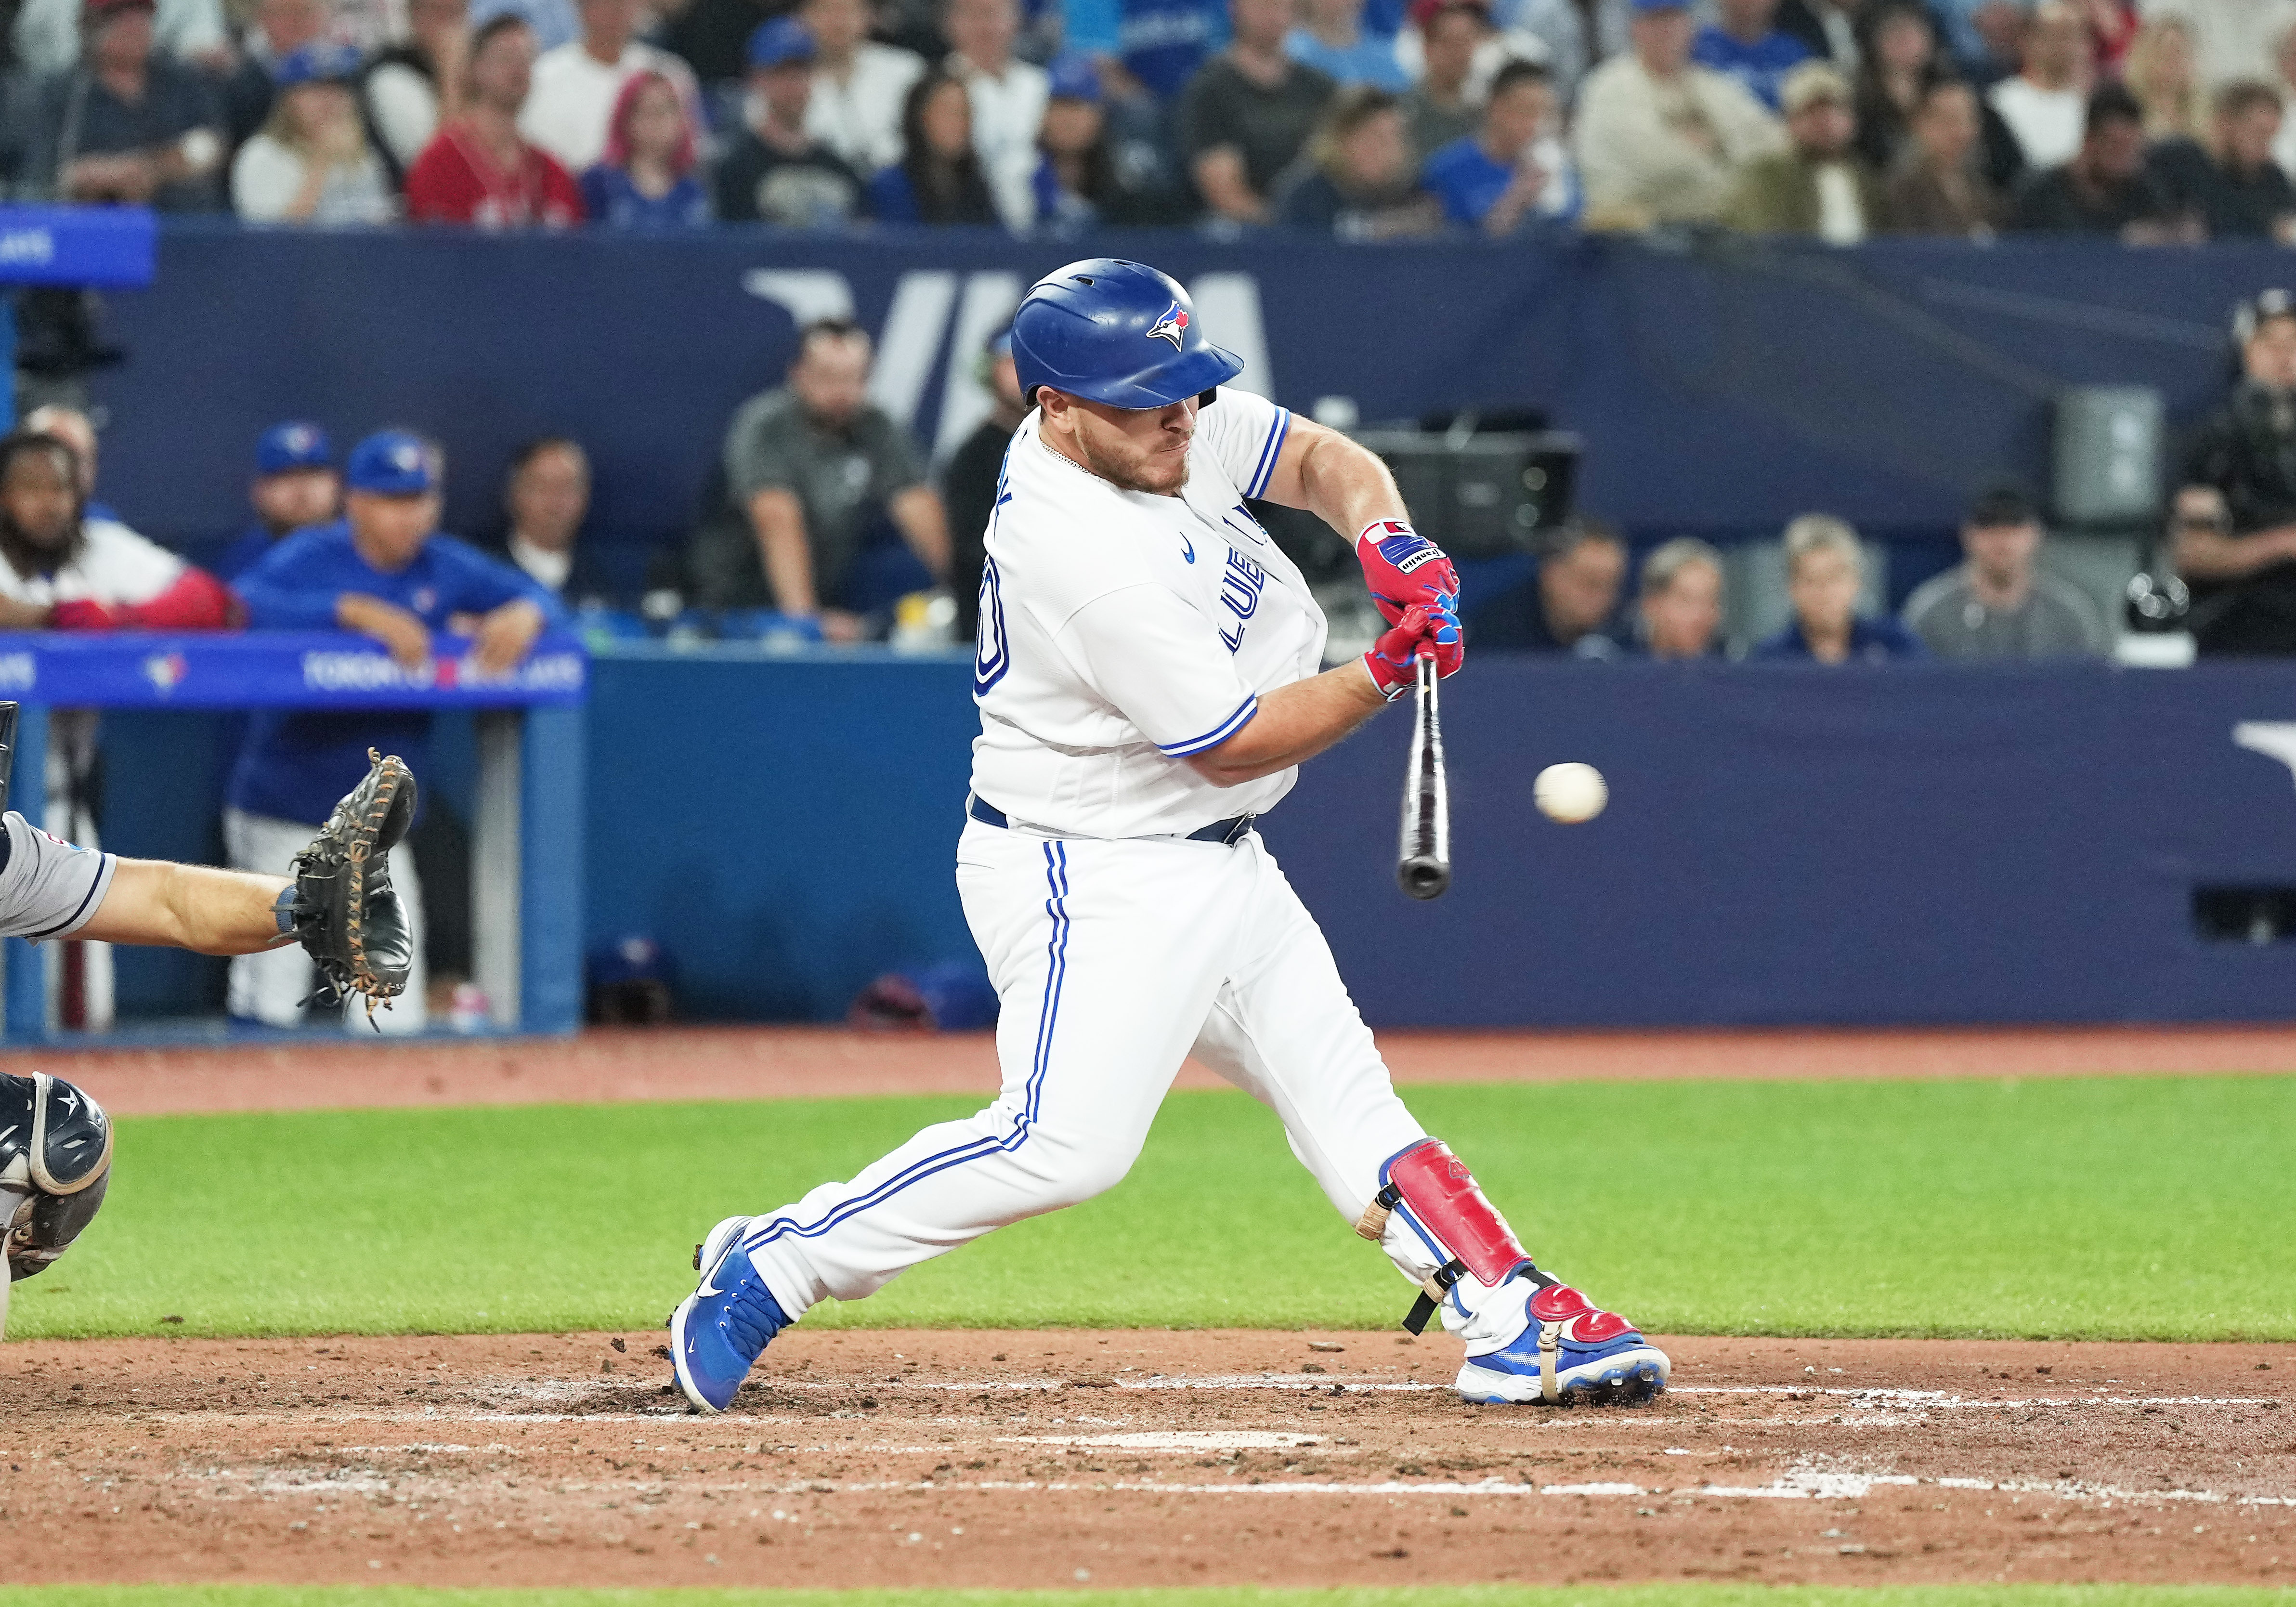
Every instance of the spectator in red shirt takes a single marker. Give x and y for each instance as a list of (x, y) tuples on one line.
[(477, 170)]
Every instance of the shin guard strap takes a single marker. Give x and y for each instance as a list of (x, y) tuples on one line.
[(1431, 1296), (1373, 1224)]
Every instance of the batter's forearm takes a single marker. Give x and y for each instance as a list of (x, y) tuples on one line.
[(1344, 485), (193, 906), (1294, 723)]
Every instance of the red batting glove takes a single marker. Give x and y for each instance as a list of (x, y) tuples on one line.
[(1402, 567), (1422, 632)]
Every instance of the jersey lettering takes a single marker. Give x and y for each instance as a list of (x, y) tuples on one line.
[(1240, 520), (1241, 584)]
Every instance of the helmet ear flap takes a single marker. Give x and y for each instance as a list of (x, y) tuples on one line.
[(1205, 398)]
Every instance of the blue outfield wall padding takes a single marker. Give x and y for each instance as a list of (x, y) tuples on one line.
[(1720, 390), (1784, 844), (787, 830)]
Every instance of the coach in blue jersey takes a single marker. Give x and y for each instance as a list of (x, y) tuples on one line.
[(385, 572)]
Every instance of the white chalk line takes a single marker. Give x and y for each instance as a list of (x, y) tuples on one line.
[(1798, 1484)]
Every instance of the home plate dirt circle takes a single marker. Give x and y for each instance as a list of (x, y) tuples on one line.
[(1017, 1459)]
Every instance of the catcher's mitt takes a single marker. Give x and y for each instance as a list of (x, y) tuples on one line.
[(346, 913)]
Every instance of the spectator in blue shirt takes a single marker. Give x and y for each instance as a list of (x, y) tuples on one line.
[(1330, 38), (295, 485), (1749, 46), (384, 571), (1825, 569), (1514, 167), (646, 179), (1147, 50)]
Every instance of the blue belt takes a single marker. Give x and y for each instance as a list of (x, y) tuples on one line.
[(1235, 829)]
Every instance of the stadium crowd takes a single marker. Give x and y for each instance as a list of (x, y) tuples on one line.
[(1372, 119)]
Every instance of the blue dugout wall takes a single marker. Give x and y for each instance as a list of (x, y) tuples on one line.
[(1882, 844), (1785, 844)]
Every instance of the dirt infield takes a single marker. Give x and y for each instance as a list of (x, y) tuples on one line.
[(744, 1062), (1138, 1458)]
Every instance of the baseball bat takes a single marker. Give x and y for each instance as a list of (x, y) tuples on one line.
[(1422, 863)]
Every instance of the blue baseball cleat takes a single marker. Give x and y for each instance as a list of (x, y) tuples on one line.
[(718, 1331), (1568, 1353)]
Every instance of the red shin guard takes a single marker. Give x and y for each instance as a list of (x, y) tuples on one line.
[(1439, 1196)]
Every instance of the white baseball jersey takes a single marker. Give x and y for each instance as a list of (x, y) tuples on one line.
[(1122, 632)]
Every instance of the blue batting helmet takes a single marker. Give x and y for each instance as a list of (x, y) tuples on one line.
[(1116, 332)]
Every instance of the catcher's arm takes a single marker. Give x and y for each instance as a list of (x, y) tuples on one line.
[(192, 906)]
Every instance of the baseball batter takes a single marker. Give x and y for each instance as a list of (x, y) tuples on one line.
[(1147, 675), (55, 1142)]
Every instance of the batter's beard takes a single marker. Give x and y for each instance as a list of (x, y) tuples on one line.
[(1130, 476)]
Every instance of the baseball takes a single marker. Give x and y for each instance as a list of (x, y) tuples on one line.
[(1570, 794)]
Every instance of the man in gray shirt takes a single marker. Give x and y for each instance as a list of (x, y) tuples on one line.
[(2000, 603), (811, 466)]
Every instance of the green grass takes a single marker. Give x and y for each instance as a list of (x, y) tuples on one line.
[(2122, 1207), (1425, 1595)]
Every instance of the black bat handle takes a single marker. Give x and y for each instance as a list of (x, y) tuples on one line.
[(1423, 859)]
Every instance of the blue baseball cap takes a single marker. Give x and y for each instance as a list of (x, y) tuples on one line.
[(779, 42), (1074, 78), (286, 447), (1000, 344), (392, 463), (315, 64)]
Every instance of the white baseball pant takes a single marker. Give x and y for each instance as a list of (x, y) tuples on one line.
[(1114, 960)]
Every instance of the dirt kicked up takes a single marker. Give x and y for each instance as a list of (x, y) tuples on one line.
[(1138, 1457)]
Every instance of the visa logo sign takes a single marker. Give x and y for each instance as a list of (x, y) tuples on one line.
[(937, 313)]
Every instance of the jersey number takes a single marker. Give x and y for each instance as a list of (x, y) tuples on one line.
[(992, 653)]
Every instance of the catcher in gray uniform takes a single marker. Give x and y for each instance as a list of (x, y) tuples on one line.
[(55, 1142)]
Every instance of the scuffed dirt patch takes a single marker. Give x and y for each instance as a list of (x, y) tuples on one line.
[(1007, 1459)]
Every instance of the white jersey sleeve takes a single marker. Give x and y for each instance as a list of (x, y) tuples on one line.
[(1244, 435), (119, 567), (1162, 664)]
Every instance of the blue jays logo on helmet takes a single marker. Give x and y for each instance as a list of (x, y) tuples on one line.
[(1172, 326), (1079, 330)]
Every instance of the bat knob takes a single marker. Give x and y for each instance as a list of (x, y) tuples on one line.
[(1424, 878)]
